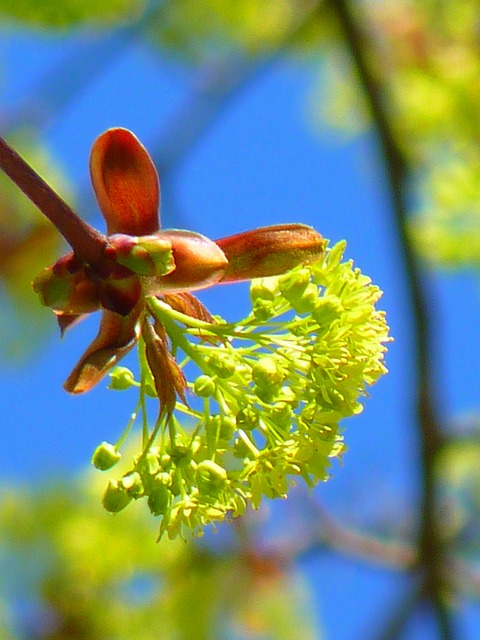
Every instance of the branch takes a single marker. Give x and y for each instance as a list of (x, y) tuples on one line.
[(87, 242), (397, 619), (431, 548), (361, 545)]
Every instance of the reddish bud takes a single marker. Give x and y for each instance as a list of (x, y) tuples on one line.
[(269, 251), (70, 293), (125, 182), (199, 263)]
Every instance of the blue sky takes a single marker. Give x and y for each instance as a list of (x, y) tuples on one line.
[(263, 161)]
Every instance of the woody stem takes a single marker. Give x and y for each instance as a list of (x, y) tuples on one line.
[(87, 243)]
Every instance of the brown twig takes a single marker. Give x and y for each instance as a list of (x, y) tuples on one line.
[(87, 243), (360, 545), (431, 548)]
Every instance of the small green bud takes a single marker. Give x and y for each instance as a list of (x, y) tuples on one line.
[(121, 378), (175, 484), (287, 395), (204, 386), (181, 454), (263, 289), (133, 485), (263, 309), (165, 460), (163, 478), (151, 463), (222, 364), (247, 419), (308, 300), (267, 371), (105, 456), (227, 427), (212, 428), (220, 427), (115, 497), (211, 477), (292, 285), (240, 449), (159, 499), (267, 393), (282, 414), (328, 309)]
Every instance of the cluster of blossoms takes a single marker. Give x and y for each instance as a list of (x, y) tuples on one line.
[(267, 392), (266, 403)]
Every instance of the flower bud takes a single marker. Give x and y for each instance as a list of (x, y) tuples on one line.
[(222, 364), (247, 419), (151, 463), (308, 300), (228, 426), (293, 284), (204, 386), (211, 477), (288, 395), (115, 497), (105, 456), (132, 483), (267, 393), (328, 309), (282, 414), (121, 378), (240, 449), (267, 371), (181, 454), (144, 255), (159, 499), (263, 289), (263, 310)]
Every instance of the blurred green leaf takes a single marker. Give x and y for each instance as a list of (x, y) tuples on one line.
[(68, 13), (93, 575)]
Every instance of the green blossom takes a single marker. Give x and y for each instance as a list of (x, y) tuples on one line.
[(265, 407)]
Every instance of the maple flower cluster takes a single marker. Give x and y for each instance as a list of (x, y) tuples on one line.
[(244, 408), (266, 404)]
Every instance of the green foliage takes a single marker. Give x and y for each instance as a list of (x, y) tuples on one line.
[(202, 31), (459, 479), (425, 58), (447, 230), (266, 404), (102, 577), (68, 13)]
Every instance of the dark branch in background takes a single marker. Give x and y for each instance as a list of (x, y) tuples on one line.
[(431, 548), (394, 626), (219, 85), (87, 242)]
